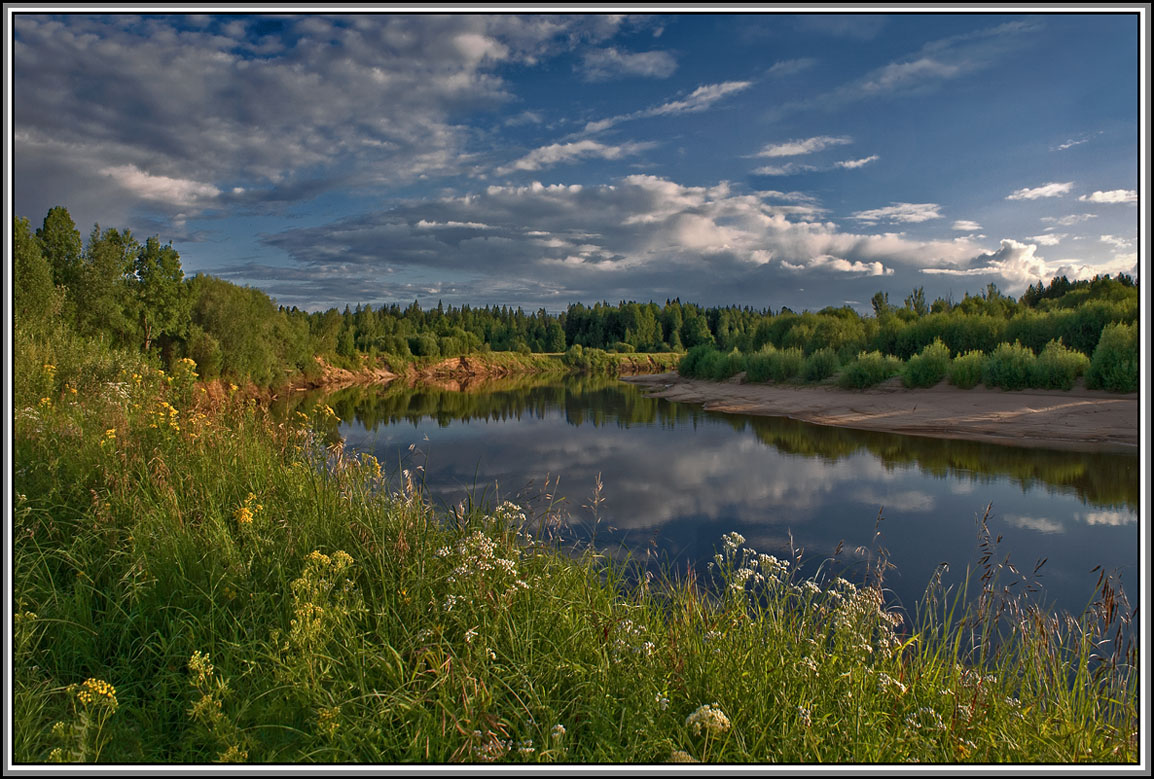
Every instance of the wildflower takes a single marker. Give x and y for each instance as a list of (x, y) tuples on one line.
[(557, 732), (233, 754), (709, 718), (678, 756), (662, 702), (96, 692), (732, 540), (470, 634), (806, 716)]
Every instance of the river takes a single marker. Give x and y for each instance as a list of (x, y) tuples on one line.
[(675, 478)]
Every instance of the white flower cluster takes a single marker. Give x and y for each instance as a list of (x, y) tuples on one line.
[(628, 640), (708, 718)]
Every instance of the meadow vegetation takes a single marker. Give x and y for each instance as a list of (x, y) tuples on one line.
[(196, 580)]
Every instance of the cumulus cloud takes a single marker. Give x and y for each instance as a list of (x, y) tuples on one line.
[(1128, 196), (611, 63), (900, 212), (1018, 265), (558, 153), (1053, 189), (966, 225), (802, 146), (326, 102), (641, 232), (839, 265)]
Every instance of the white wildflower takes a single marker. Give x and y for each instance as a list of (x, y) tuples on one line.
[(709, 718)]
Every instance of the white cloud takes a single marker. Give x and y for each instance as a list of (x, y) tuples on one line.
[(1048, 239), (840, 265), (1053, 189), (611, 63), (900, 75), (1128, 196), (900, 212), (641, 232), (966, 225), (558, 153), (174, 191), (699, 99), (802, 146), (853, 164), (1067, 221), (790, 67), (1019, 265), (788, 169), (1116, 241)]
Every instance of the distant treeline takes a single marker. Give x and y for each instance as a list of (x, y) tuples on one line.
[(135, 295)]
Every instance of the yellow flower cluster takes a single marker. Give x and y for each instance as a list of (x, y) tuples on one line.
[(327, 722), (249, 511), (165, 415), (96, 692)]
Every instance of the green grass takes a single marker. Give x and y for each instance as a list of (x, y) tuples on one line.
[(252, 591)]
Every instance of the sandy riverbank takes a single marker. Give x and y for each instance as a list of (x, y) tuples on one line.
[(1081, 419)]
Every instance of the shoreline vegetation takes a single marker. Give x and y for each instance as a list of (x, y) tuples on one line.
[(197, 581)]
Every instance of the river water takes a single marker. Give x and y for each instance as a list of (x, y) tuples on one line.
[(676, 478)]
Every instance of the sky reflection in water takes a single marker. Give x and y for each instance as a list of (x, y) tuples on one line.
[(676, 478)]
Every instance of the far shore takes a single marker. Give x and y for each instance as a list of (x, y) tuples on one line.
[(1080, 419)]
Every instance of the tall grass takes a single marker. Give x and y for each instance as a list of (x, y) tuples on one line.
[(197, 582)]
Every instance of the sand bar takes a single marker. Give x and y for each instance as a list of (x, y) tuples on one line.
[(1080, 419)]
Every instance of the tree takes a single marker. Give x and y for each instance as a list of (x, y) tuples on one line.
[(103, 295), (916, 302), (34, 298), (62, 246), (881, 303), (162, 297)]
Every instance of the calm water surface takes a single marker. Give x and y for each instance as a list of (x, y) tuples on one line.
[(675, 478)]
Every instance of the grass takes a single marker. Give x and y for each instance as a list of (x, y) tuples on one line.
[(198, 582)]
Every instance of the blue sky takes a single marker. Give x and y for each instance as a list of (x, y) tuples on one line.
[(538, 160)]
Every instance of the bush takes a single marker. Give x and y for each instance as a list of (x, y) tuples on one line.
[(868, 369), (1114, 365), (928, 367), (966, 370), (690, 364), (728, 365), (786, 364), (820, 365), (758, 365), (1057, 367), (1010, 367)]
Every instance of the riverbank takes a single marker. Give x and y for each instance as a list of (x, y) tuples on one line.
[(463, 371), (1080, 419)]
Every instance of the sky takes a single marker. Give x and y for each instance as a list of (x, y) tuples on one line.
[(538, 160)]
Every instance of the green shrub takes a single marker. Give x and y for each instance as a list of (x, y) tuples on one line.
[(786, 364), (1114, 365), (758, 365), (928, 367), (1057, 367), (691, 364), (728, 365), (868, 369), (820, 365), (1010, 367), (966, 370)]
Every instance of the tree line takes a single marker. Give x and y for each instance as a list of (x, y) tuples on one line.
[(135, 294)]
